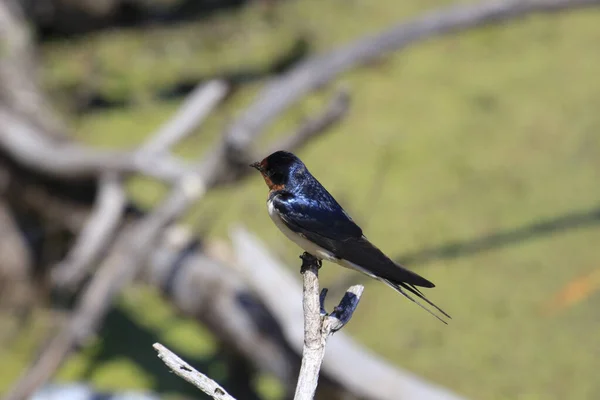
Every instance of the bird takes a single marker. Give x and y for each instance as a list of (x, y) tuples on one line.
[(307, 214)]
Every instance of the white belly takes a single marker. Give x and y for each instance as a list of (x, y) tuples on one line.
[(300, 240)]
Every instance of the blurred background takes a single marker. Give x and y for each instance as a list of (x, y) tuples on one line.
[(472, 157)]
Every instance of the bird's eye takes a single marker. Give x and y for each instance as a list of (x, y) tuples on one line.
[(277, 177)]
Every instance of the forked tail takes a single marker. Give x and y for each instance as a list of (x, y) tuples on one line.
[(403, 287)]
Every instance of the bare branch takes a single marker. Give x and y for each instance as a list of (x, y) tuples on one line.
[(317, 327), (72, 160), (225, 164), (190, 374), (314, 345), (131, 248), (343, 311), (355, 368), (31, 147), (29, 144), (217, 296), (95, 236), (333, 113), (194, 110), (321, 69), (222, 164), (116, 271), (18, 80)]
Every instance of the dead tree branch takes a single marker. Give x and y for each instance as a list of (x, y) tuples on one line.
[(130, 250), (74, 160), (115, 272), (356, 369), (321, 69), (194, 110), (277, 97), (32, 147), (215, 295), (343, 311), (124, 261), (318, 325), (314, 343), (190, 374), (336, 109), (95, 236), (32, 144), (18, 80)]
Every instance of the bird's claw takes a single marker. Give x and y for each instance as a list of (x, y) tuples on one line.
[(309, 260)]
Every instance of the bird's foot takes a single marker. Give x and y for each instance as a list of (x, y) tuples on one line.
[(308, 260)]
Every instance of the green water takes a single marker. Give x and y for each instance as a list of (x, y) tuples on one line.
[(474, 135)]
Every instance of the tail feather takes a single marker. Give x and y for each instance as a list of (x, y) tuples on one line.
[(418, 293), (399, 288), (368, 256)]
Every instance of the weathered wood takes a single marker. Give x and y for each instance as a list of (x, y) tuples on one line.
[(353, 367), (318, 325), (314, 343), (95, 237), (190, 374)]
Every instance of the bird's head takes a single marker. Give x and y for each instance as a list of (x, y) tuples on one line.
[(277, 168)]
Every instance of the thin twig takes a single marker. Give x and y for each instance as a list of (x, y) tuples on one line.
[(343, 311), (194, 110), (334, 111), (95, 236), (190, 374)]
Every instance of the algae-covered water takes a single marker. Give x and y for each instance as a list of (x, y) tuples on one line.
[(475, 157)]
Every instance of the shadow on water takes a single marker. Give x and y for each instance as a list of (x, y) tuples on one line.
[(87, 100), (498, 240)]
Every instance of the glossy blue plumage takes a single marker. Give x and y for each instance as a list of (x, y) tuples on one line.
[(308, 209), (306, 202)]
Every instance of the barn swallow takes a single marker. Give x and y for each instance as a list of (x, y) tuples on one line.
[(310, 217)]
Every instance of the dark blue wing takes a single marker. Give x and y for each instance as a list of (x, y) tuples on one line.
[(327, 224), (320, 215)]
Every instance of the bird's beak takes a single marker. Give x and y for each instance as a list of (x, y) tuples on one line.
[(257, 166)]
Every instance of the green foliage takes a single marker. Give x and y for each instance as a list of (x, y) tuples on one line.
[(478, 136)]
